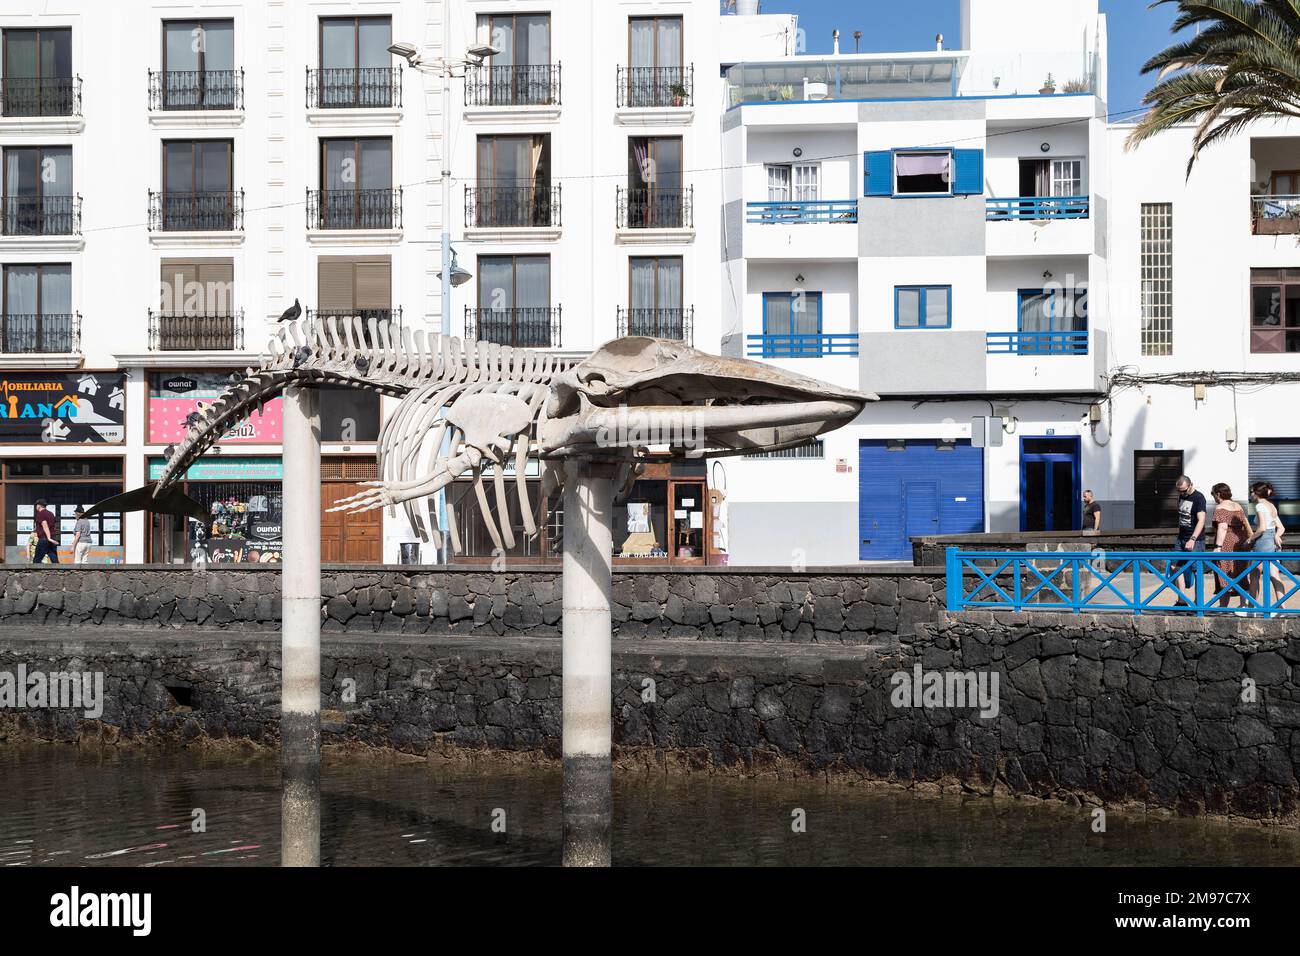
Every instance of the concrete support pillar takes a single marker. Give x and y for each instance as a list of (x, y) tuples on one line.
[(587, 663), (300, 631)]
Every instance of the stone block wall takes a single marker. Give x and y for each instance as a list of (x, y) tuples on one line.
[(832, 606), (1152, 711)]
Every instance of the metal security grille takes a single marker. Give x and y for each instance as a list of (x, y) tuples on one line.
[(1157, 243), (814, 450), (349, 469)]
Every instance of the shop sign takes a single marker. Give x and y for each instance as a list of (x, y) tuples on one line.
[(175, 397), (225, 469), (63, 407)]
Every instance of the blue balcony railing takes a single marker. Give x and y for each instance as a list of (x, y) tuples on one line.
[(1038, 207), (1038, 343), (1160, 582), (823, 210), (803, 345)]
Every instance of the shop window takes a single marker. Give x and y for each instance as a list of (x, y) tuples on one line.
[(349, 415), (65, 485)]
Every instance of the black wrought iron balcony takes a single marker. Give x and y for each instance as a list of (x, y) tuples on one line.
[(196, 90), (354, 208), (655, 207), (529, 85), (40, 215), (658, 323), (391, 317), (196, 212), (354, 88), (58, 332), (196, 333), (521, 328), (653, 87), (40, 96), (529, 206)]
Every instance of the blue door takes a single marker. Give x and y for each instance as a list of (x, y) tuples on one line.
[(1050, 492), (920, 508), (914, 488)]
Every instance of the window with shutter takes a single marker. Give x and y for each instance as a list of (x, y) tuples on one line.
[(878, 172), (197, 287)]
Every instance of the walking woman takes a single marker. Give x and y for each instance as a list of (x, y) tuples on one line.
[(1267, 537), (1232, 529)]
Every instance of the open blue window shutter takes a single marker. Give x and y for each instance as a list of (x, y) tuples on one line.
[(878, 169), (969, 179)]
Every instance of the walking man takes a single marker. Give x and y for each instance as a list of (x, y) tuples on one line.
[(47, 536), (81, 538), (1091, 512), (1192, 525)]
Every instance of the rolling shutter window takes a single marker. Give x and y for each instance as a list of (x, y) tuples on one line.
[(1277, 462), (197, 286), (374, 284), (969, 178), (878, 170), (346, 284)]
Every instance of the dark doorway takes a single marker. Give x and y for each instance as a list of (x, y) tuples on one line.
[(1155, 497), (1050, 484)]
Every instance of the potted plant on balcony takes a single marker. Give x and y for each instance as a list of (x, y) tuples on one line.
[(1077, 85), (678, 93), (1049, 86), (787, 93)]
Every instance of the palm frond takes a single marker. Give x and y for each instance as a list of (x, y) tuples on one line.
[(1242, 67)]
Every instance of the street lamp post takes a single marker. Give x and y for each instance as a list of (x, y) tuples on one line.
[(451, 274)]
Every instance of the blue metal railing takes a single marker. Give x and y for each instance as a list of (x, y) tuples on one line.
[(824, 210), (1038, 343), (1038, 207), (803, 345), (1123, 582)]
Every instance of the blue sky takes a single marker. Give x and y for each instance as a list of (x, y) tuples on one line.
[(1135, 31)]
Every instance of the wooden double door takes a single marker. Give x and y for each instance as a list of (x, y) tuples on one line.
[(348, 539)]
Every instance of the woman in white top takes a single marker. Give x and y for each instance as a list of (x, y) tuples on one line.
[(1267, 537)]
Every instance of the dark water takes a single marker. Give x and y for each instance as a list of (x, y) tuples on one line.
[(59, 806)]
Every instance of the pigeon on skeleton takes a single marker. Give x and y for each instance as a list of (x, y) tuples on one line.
[(293, 312)]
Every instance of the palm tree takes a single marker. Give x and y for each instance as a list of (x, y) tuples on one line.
[(1242, 66)]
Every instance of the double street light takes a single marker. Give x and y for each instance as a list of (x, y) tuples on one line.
[(452, 274)]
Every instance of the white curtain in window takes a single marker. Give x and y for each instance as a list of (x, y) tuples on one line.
[(56, 290), (1036, 312), (643, 283), (925, 164), (909, 308), (20, 290), (670, 284), (496, 285), (936, 307), (643, 42), (57, 174), (670, 42), (777, 314), (807, 182), (538, 33), (1067, 177), (533, 282), (805, 313), (218, 45), (778, 184)]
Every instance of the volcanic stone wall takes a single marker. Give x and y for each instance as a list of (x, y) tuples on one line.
[(1172, 712), (829, 607)]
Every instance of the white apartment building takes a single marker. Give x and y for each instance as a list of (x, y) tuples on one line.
[(178, 175), (963, 233), (959, 230)]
